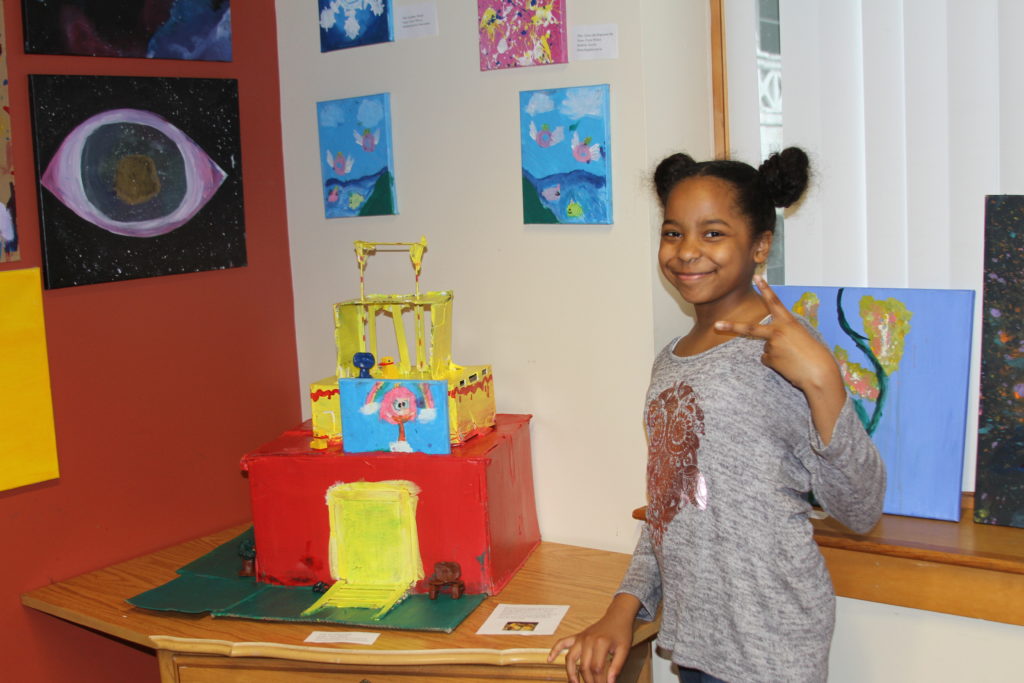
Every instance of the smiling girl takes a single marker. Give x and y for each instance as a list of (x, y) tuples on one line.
[(745, 415)]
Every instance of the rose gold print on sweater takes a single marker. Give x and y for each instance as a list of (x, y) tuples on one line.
[(675, 423)]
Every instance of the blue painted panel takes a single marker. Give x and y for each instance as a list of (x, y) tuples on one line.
[(399, 415)]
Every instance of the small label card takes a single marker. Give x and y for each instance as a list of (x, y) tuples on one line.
[(524, 620), (416, 21), (595, 41), (352, 637)]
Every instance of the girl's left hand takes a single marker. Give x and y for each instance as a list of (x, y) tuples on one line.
[(789, 348), (794, 353)]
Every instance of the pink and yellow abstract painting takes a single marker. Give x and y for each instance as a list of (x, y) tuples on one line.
[(521, 33)]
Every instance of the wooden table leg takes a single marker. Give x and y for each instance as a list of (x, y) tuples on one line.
[(168, 672)]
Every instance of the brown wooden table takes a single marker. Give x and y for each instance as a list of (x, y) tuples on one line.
[(199, 648)]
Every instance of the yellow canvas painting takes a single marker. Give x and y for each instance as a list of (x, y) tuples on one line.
[(28, 446)]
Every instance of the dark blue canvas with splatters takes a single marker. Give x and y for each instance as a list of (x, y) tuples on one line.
[(157, 29), (905, 356), (999, 489)]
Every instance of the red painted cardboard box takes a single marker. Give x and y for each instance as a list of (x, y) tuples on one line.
[(476, 506)]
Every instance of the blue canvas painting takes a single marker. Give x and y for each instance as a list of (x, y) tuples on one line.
[(396, 415), (353, 23), (565, 139), (905, 356), (355, 156)]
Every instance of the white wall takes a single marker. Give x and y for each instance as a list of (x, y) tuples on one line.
[(876, 643), (569, 316)]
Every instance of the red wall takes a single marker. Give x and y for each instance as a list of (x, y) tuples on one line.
[(159, 385)]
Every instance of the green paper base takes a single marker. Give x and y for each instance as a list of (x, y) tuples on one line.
[(223, 561), (415, 613), (196, 594), (211, 584)]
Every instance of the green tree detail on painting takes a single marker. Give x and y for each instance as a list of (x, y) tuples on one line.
[(886, 324)]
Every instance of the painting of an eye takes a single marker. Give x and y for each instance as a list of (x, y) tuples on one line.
[(138, 177), (132, 173)]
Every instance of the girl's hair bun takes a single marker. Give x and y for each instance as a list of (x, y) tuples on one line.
[(784, 176), (779, 182), (670, 171)]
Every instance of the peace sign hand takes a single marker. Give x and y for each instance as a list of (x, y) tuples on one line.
[(794, 353), (789, 348)]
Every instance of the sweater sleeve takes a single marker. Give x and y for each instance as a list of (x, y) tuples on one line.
[(643, 578), (848, 475)]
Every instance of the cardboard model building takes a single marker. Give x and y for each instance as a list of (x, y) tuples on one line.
[(343, 527), (475, 507), (360, 326)]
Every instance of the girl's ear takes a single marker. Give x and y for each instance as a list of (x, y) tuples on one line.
[(763, 246)]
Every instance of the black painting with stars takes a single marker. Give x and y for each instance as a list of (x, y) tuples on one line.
[(999, 481), (138, 177)]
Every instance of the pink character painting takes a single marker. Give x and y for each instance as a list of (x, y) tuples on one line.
[(545, 136), (398, 405), (584, 152), (339, 163), (367, 139)]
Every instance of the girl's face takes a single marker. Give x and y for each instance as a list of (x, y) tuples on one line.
[(708, 251)]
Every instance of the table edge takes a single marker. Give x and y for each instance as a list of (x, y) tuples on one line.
[(323, 655)]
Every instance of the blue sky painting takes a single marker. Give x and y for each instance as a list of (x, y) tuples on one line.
[(905, 355), (355, 156), (566, 150), (354, 23)]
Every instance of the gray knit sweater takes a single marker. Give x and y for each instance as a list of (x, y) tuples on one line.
[(727, 546)]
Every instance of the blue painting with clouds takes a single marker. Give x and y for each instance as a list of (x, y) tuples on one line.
[(355, 156), (353, 23), (566, 155)]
